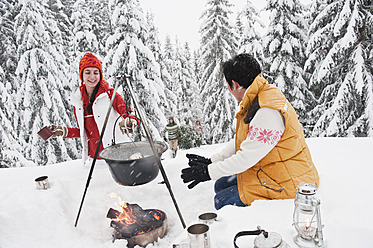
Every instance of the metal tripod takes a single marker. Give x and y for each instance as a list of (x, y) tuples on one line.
[(144, 123)]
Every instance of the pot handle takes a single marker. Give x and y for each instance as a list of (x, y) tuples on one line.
[(245, 233), (115, 124)]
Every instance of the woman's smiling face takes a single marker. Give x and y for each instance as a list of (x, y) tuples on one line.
[(91, 77)]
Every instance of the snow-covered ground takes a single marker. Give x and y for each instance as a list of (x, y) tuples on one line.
[(45, 218)]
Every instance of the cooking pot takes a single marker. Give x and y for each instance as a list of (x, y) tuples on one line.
[(133, 163)]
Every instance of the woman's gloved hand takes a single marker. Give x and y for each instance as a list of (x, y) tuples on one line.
[(58, 131), (127, 125)]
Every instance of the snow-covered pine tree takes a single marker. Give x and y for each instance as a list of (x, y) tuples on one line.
[(127, 54), (153, 43), (218, 44), (41, 77), (167, 60), (250, 39), (8, 60), (101, 26), (177, 81), (177, 85), (368, 9), (91, 24), (239, 29), (198, 104), (284, 47), (197, 67), (3, 163), (58, 10), (340, 54), (184, 79), (168, 57), (10, 146), (84, 38), (192, 92), (152, 39), (60, 14), (318, 46), (167, 70)]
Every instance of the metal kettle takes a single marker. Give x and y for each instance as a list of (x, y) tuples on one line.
[(264, 239)]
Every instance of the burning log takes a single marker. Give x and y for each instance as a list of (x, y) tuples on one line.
[(112, 214), (130, 209), (138, 226), (126, 231)]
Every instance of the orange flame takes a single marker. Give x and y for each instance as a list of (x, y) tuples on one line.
[(128, 216)]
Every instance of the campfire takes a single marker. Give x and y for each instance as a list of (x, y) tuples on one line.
[(138, 226)]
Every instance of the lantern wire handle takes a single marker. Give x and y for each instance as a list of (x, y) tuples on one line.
[(319, 233)]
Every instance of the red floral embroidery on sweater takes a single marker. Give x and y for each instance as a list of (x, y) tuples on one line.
[(266, 136)]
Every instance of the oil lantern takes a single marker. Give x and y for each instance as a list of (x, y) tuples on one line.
[(307, 217)]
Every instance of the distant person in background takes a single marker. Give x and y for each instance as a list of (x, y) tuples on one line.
[(268, 156), (199, 130), (91, 102), (171, 134)]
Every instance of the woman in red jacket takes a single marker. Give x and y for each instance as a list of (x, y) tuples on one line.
[(91, 101)]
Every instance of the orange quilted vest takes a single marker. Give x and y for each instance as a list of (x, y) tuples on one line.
[(277, 174)]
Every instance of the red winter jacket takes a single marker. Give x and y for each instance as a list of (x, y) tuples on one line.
[(91, 129)]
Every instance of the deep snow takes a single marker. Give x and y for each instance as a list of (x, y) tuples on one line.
[(45, 218)]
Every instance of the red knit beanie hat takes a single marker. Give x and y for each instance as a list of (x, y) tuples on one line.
[(89, 60)]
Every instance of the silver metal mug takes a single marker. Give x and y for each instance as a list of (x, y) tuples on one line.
[(207, 218), (199, 236), (42, 182)]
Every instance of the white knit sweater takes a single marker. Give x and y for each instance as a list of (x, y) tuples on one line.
[(266, 129)]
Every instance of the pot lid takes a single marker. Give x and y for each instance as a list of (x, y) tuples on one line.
[(273, 240)]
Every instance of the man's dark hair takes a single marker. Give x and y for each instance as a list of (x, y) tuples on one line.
[(242, 68)]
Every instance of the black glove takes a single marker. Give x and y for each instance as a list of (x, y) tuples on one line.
[(195, 159), (165, 139), (197, 173)]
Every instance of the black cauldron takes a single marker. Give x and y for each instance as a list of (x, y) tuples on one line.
[(126, 165)]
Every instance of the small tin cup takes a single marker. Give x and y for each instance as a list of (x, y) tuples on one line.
[(199, 236), (207, 218), (42, 182), (180, 246)]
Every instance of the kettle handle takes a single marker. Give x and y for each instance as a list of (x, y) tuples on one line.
[(245, 233)]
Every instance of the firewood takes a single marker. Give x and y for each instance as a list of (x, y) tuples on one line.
[(112, 213)]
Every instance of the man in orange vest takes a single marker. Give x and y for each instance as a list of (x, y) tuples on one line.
[(268, 157)]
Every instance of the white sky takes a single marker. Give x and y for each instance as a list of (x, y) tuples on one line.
[(181, 18)]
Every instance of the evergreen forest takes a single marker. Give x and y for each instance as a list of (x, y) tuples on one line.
[(319, 55)]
